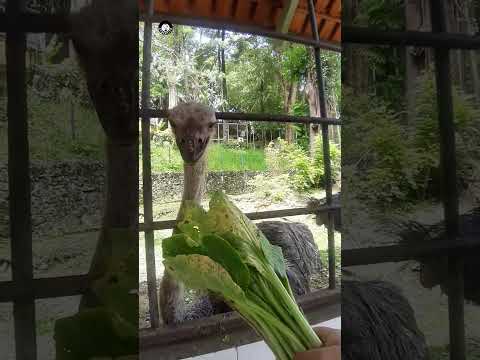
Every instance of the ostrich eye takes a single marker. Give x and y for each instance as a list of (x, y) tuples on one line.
[(210, 126)]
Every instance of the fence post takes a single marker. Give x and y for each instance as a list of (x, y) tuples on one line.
[(448, 168), (326, 146), (147, 171), (19, 188)]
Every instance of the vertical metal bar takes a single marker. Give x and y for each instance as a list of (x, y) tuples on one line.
[(449, 184), (147, 172), (326, 146), (19, 187)]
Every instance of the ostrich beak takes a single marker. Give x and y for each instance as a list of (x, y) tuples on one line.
[(191, 149)]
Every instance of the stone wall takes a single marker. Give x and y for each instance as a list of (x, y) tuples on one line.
[(68, 197), (169, 186)]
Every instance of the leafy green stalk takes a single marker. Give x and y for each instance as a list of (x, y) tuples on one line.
[(281, 348), (224, 252), (295, 311)]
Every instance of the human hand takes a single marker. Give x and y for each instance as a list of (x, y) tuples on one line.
[(330, 350)]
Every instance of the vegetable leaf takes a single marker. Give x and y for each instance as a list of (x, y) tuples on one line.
[(222, 252), (180, 244), (201, 272)]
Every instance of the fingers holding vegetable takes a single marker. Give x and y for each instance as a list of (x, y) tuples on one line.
[(331, 349), (329, 336)]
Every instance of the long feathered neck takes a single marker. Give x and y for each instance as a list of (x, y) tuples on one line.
[(194, 180)]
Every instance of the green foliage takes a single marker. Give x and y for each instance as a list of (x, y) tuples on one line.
[(271, 189), (426, 133), (224, 252), (335, 162), (384, 62), (294, 61), (382, 14), (305, 173), (181, 61), (50, 132), (253, 77), (379, 165), (62, 82), (331, 68), (52, 50), (390, 164)]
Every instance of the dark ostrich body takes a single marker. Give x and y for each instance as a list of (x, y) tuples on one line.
[(378, 323)]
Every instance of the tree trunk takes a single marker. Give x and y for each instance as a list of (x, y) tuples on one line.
[(172, 83), (290, 98), (224, 72), (172, 96), (354, 61), (311, 91), (472, 56), (413, 62)]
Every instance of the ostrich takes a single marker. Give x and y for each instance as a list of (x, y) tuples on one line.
[(193, 126), (434, 271), (378, 323)]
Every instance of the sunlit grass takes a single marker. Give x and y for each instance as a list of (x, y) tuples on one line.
[(220, 158)]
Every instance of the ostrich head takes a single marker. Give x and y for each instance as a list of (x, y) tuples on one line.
[(192, 125)]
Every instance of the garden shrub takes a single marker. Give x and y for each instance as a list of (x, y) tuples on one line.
[(393, 164), (50, 134), (426, 135), (235, 144), (305, 173), (63, 81), (271, 189)]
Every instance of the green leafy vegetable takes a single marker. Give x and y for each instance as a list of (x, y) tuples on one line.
[(224, 252)]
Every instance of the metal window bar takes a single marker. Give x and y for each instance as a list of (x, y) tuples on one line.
[(19, 188), (448, 167), (326, 145), (259, 215), (157, 113), (147, 174)]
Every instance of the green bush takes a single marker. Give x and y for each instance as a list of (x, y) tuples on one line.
[(426, 135), (380, 165), (393, 164), (63, 81), (271, 189), (305, 173), (50, 131)]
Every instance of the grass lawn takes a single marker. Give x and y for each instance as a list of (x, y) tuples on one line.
[(50, 132), (220, 158)]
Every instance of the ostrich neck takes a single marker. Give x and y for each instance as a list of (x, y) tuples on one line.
[(194, 180)]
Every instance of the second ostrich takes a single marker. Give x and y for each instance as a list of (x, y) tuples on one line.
[(193, 126)]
